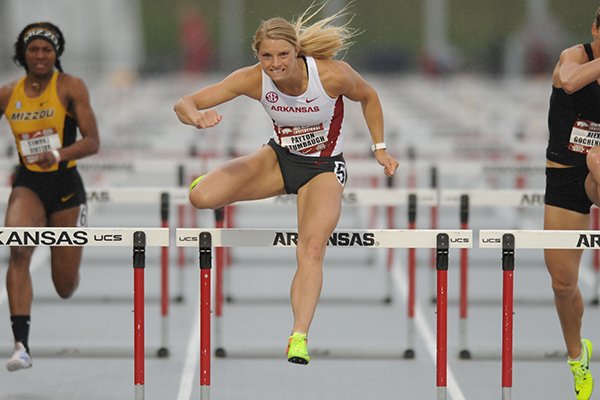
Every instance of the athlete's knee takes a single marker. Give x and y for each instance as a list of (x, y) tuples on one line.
[(200, 198), (20, 256), (66, 287), (564, 288), (311, 251)]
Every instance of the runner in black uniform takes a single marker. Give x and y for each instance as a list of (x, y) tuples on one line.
[(572, 176), (44, 109)]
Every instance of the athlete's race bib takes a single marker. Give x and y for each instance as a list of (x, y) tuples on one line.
[(34, 143), (303, 139), (584, 136)]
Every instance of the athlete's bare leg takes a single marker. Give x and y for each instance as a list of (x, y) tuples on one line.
[(251, 177), (319, 206), (24, 210), (563, 266), (66, 259)]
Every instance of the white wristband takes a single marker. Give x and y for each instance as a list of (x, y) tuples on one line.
[(378, 146), (56, 155)]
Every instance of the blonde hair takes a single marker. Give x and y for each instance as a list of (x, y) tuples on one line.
[(319, 40)]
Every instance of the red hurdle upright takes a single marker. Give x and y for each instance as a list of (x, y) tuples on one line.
[(412, 261), (433, 225), (163, 350), (391, 216), (442, 246), (139, 263), (220, 257), (508, 267), (205, 256), (464, 352)]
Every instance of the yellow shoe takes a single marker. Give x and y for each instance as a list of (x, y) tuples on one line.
[(584, 382), (297, 351), (195, 182)]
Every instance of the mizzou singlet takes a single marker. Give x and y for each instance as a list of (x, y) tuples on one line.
[(309, 124), (39, 124)]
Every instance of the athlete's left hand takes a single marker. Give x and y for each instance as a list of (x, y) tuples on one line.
[(389, 163), (46, 160)]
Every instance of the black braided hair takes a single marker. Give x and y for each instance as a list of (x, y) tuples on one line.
[(21, 46)]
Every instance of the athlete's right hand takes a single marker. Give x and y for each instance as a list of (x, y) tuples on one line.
[(206, 119)]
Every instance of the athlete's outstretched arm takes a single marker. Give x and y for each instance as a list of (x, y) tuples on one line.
[(196, 108)]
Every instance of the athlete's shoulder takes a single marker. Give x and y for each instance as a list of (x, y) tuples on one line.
[(336, 76), (69, 80), (245, 81), (575, 53), (252, 73), (6, 91)]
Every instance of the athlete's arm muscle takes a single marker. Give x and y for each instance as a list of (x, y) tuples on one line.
[(195, 109), (74, 91), (5, 93), (574, 71), (339, 78)]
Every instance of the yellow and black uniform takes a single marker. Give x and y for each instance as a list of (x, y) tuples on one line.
[(42, 124)]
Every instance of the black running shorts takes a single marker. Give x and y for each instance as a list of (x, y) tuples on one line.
[(565, 188), (58, 190), (298, 170)]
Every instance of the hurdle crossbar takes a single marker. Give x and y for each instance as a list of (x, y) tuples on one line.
[(137, 238), (205, 239), (509, 241), (542, 239), (110, 237), (363, 197), (372, 238), (464, 200), (499, 198)]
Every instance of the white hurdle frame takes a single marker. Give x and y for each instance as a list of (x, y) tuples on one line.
[(390, 197), (515, 198), (356, 198), (205, 239), (511, 240), (137, 238), (162, 197)]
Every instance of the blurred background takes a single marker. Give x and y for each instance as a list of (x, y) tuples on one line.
[(464, 86), (462, 79), (157, 37), (458, 78)]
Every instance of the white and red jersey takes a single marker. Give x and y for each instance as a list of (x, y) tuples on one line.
[(309, 124)]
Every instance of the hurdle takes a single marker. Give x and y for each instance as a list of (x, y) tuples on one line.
[(464, 200), (388, 197), (137, 238), (360, 197), (205, 239), (163, 198), (509, 241)]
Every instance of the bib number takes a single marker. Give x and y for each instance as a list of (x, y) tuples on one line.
[(584, 136), (34, 143), (340, 171)]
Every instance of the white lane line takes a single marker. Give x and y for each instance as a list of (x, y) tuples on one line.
[(426, 334), (191, 361)]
